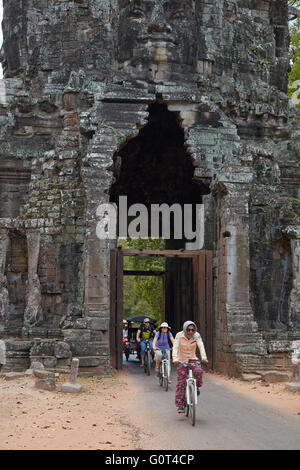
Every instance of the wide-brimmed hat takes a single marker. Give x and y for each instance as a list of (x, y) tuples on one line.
[(164, 325)]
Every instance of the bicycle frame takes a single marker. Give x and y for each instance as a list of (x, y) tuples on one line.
[(191, 399), (165, 361), (163, 371), (191, 381)]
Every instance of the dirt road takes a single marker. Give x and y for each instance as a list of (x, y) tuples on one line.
[(130, 411)]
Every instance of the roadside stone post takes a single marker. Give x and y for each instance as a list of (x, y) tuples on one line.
[(71, 386), (296, 373), (295, 384)]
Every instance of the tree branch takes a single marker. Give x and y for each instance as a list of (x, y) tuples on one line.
[(294, 13)]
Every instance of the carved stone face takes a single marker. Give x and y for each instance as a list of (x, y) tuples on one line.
[(157, 32), (3, 60)]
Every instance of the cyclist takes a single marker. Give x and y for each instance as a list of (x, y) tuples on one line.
[(163, 340), (145, 331), (184, 350)]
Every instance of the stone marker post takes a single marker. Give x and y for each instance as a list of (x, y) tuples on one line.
[(295, 384), (72, 386), (296, 372)]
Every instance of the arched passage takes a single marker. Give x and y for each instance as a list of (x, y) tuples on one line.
[(156, 168)]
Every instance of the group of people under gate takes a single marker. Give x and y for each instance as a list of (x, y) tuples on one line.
[(184, 347)]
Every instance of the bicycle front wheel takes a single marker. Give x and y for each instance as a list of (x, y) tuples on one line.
[(165, 376), (192, 406), (186, 406), (160, 375), (148, 362)]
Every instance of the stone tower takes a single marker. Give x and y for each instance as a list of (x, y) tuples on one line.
[(84, 82)]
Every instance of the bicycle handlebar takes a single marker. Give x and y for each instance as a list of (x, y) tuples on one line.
[(191, 363)]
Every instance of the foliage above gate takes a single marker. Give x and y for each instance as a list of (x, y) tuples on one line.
[(143, 294)]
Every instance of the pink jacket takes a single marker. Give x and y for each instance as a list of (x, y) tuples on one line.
[(184, 349)]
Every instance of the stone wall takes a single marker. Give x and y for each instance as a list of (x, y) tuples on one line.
[(79, 79)]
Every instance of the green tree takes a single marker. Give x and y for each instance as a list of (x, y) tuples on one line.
[(294, 78), (143, 294)]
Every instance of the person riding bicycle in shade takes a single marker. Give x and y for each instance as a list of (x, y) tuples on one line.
[(146, 331), (184, 350), (161, 342)]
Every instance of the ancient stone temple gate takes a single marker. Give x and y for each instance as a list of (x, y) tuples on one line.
[(165, 102)]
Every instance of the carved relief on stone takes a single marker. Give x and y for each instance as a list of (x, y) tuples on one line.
[(33, 313), (157, 33), (76, 80), (4, 299), (293, 232), (294, 307)]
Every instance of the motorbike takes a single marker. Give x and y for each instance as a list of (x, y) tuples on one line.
[(126, 347)]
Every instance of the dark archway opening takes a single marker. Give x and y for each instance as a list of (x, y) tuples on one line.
[(155, 165), (155, 168)]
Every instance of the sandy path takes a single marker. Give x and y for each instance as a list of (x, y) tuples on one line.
[(98, 418), (37, 419)]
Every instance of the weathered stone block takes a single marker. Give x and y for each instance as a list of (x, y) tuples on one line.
[(293, 386), (98, 323), (2, 352), (69, 387), (36, 365), (43, 374), (17, 345), (90, 361), (93, 348), (62, 350), (275, 376), (42, 347), (77, 335), (12, 375), (50, 362), (250, 377), (46, 384)]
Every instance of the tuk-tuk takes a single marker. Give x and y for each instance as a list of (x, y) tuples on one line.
[(130, 345)]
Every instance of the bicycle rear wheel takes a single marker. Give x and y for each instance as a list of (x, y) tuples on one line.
[(192, 406)]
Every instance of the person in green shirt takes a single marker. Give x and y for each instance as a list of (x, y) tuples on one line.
[(145, 331)]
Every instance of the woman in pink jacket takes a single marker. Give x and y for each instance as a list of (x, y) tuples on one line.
[(184, 350)]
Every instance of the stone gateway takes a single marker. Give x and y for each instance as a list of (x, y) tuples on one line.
[(164, 102)]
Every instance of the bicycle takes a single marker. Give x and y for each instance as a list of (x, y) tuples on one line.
[(147, 358), (191, 398), (163, 371)]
